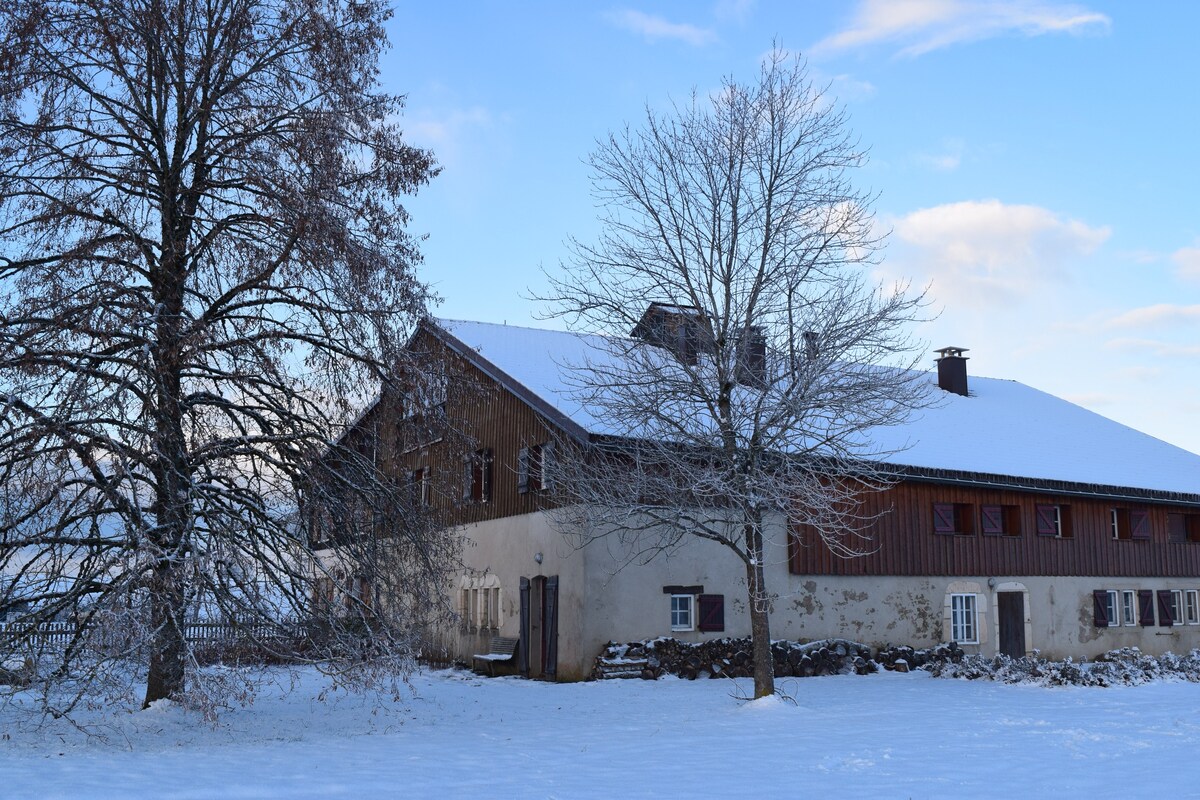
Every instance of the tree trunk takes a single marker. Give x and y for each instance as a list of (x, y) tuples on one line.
[(173, 507), (760, 623), (168, 645)]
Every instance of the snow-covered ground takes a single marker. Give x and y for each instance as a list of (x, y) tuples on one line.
[(886, 735)]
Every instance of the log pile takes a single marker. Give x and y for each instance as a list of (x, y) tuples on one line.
[(901, 658), (730, 658)]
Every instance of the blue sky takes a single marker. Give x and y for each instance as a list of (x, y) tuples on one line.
[(1036, 162)]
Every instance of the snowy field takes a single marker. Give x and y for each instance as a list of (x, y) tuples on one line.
[(885, 735)]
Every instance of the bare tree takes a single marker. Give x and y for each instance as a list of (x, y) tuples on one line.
[(742, 404), (203, 261)]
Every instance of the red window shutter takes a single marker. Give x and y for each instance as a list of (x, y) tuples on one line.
[(712, 612), (992, 519), (1145, 607), (1047, 520), (943, 518), (1100, 608), (1139, 522), (1164, 608)]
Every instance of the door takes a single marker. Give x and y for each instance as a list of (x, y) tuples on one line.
[(1012, 623), (538, 648)]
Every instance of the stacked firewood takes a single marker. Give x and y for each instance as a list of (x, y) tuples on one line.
[(730, 658)]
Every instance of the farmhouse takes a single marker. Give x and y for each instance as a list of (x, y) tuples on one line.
[(1018, 521)]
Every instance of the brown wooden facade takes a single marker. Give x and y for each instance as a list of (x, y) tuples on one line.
[(907, 541), (496, 424)]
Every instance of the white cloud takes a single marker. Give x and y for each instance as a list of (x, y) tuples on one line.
[(1156, 315), (733, 10), (448, 132), (948, 159), (654, 28), (1187, 262), (976, 253), (1155, 347), (920, 26)]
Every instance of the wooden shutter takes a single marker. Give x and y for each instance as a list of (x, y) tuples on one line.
[(992, 520), (1047, 520), (523, 470), (1164, 608), (943, 518), (550, 628), (468, 478), (523, 643), (1145, 607), (712, 612), (1100, 609), (1176, 528), (1139, 523)]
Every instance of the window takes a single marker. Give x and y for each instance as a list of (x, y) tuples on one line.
[(1191, 607), (1129, 607), (1053, 521), (963, 626), (477, 477), (1000, 520), (681, 612), (534, 464), (952, 518), (1176, 607), (1127, 524), (1183, 527), (1105, 607), (418, 487)]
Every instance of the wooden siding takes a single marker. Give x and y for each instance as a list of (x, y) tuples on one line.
[(906, 543), (488, 417)]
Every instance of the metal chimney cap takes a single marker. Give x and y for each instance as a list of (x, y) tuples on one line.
[(951, 352)]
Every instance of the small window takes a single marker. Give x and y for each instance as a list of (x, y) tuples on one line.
[(533, 466), (681, 612), (963, 624), (418, 485), (1054, 521), (1000, 520), (1191, 607), (477, 477), (1129, 524), (1129, 607), (1112, 609), (952, 518), (1183, 528), (1176, 607)]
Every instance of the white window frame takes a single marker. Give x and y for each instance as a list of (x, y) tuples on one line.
[(1129, 607), (1113, 610), (1191, 607), (683, 617), (964, 618), (1176, 607)]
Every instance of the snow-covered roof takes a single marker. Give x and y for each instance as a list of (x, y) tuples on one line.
[(1003, 428)]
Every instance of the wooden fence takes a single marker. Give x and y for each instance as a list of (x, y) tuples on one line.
[(59, 634)]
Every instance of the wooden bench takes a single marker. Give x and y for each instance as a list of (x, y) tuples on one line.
[(503, 648)]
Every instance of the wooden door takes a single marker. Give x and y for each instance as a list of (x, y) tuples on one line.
[(537, 652), (1012, 623)]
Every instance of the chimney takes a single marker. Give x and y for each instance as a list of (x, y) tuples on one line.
[(751, 368), (952, 370), (810, 345)]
